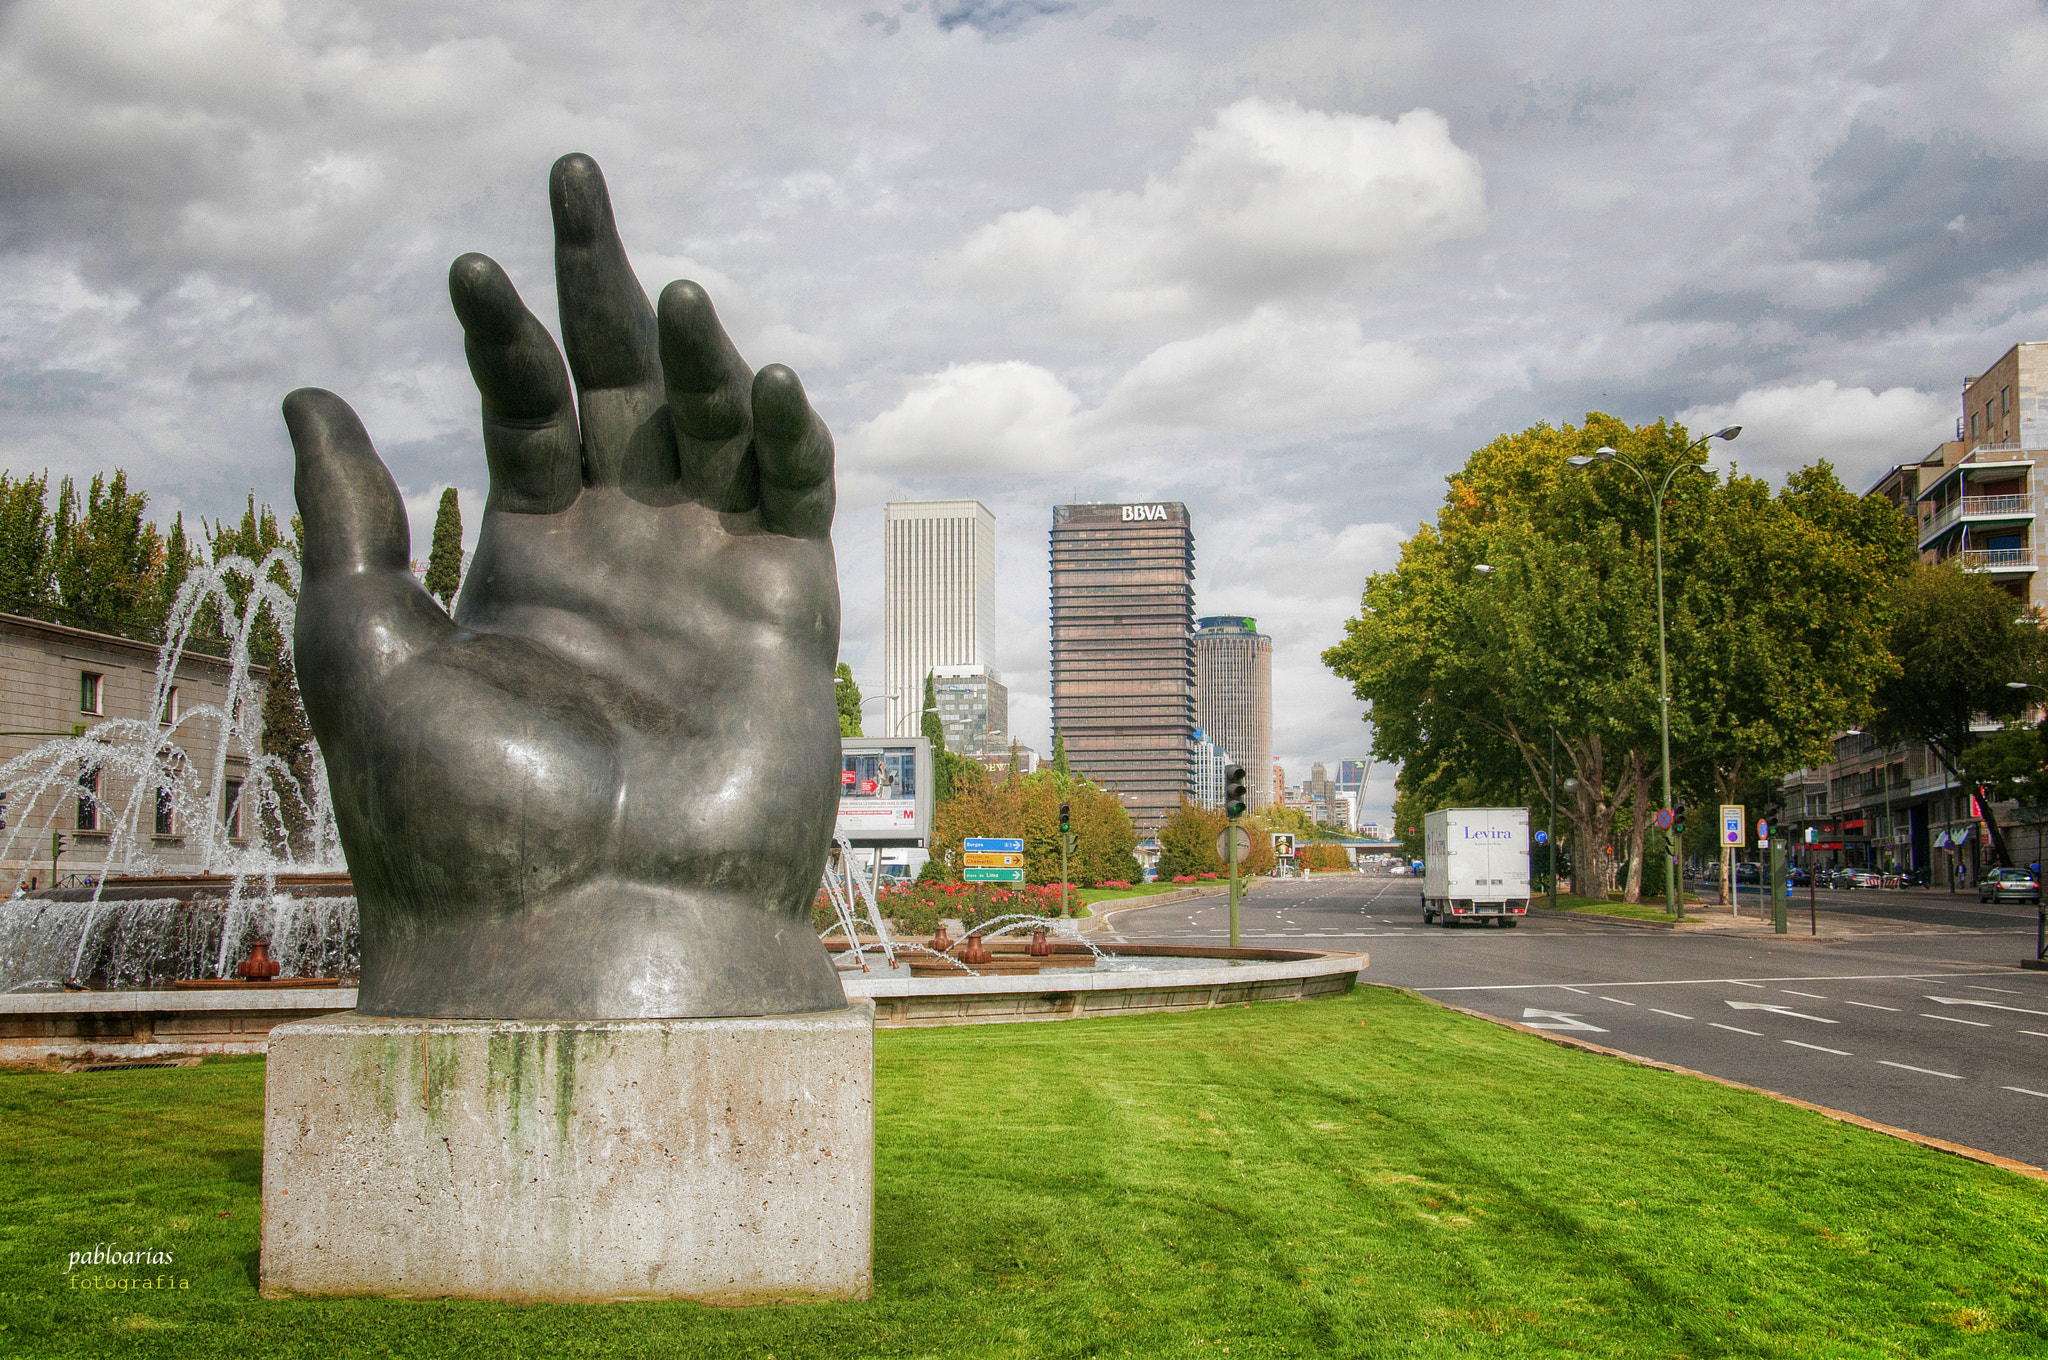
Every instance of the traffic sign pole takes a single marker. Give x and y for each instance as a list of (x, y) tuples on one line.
[(1230, 833)]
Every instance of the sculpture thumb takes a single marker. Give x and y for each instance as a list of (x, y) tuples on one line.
[(361, 610)]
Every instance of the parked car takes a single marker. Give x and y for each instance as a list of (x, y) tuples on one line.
[(1749, 871), (1796, 877), (1865, 878), (2009, 885)]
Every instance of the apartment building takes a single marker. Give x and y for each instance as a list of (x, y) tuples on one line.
[(1974, 500)]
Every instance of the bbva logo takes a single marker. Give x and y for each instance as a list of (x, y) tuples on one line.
[(1132, 512)]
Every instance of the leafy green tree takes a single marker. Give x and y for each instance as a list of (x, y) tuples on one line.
[(1187, 841), (1960, 642), (105, 555), (444, 560), (1060, 769), (288, 737), (254, 539), (1530, 608), (847, 694), (25, 548), (179, 559)]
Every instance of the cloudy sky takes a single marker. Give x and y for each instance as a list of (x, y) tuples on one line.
[(1287, 263)]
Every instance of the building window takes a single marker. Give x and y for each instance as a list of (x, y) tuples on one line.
[(89, 796), (171, 706), (1973, 424), (91, 687), (166, 812), (2004, 400), (231, 808)]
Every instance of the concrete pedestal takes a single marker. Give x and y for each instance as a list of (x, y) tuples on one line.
[(729, 1160)]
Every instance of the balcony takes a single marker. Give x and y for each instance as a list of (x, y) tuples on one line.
[(1974, 509), (1997, 561), (1985, 463)]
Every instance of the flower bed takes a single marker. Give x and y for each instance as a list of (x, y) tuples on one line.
[(921, 906)]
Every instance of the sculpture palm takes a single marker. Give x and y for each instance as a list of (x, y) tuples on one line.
[(606, 787)]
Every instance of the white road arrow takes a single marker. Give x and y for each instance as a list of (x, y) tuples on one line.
[(1557, 1020), (1990, 1005), (1780, 1010)]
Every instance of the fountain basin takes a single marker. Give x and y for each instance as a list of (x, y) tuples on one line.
[(117, 1025)]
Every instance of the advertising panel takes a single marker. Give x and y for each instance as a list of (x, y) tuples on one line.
[(884, 790)]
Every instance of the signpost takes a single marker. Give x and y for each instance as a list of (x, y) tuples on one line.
[(993, 859), (1733, 817)]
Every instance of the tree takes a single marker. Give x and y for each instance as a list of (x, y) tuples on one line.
[(105, 556), (1959, 641), (25, 551), (1187, 841), (1028, 807), (288, 738), (1060, 769), (1775, 612), (848, 695), (254, 539), (444, 561)]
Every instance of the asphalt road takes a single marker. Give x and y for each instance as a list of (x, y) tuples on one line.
[(1910, 1008)]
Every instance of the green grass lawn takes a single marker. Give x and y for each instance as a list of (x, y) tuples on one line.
[(1635, 911), (1365, 1175), (1091, 896)]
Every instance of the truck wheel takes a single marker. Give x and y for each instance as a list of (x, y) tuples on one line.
[(1511, 923), (1444, 919)]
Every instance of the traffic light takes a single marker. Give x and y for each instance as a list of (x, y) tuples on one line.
[(1236, 789), (1066, 818), (1678, 820)]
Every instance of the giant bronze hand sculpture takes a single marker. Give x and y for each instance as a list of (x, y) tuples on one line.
[(606, 787)]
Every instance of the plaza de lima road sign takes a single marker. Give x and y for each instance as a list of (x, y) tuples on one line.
[(993, 859)]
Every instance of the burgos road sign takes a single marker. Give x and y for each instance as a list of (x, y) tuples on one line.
[(1732, 816), (993, 859)]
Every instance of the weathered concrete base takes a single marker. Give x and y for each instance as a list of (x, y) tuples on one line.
[(728, 1161)]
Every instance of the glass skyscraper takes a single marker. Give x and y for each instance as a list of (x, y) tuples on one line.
[(1234, 695), (1123, 666)]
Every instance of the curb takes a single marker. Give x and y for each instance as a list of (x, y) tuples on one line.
[(2018, 1168), (1164, 900), (1563, 914)]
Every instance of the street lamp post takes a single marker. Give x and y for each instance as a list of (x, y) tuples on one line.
[(1608, 455)]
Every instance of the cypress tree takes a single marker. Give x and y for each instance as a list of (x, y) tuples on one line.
[(444, 562), (289, 737)]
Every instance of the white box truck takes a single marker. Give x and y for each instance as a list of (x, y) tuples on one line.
[(1475, 865)]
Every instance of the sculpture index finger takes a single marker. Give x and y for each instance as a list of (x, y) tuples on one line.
[(607, 328), (529, 417)]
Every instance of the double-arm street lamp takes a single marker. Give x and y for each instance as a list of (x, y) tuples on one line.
[(1606, 455)]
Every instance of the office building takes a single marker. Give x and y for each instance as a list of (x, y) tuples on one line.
[(1123, 667), (1234, 692), (1210, 758), (938, 600), (974, 710)]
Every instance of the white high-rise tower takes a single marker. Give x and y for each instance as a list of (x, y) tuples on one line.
[(938, 599)]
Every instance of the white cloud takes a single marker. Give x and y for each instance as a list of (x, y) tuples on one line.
[(1860, 431), (981, 418), (1273, 372), (1268, 201)]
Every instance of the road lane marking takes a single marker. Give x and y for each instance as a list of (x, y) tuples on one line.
[(1536, 1019), (1573, 989), (1872, 1006), (1808, 995), (1709, 982), (1989, 1005), (1953, 1020), (1924, 1071), (2025, 1092), (1818, 1049), (1618, 1003), (1754, 1034), (2035, 1032), (1673, 1014), (1780, 1010), (2005, 990)]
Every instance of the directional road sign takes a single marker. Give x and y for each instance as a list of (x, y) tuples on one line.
[(994, 845), (1542, 837), (993, 875), (981, 859)]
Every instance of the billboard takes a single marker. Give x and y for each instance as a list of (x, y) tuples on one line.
[(885, 790)]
